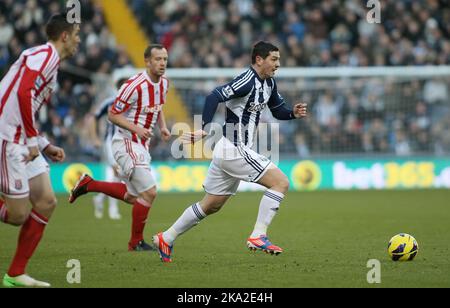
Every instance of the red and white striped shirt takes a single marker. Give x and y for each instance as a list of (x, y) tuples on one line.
[(140, 100), (28, 85)]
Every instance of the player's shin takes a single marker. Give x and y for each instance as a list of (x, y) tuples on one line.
[(190, 218), (268, 208), (116, 190), (30, 235), (141, 209)]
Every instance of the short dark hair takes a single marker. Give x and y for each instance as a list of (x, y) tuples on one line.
[(56, 25), (121, 81), (262, 49), (148, 51)]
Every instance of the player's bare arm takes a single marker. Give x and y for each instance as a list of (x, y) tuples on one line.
[(122, 122), (54, 153)]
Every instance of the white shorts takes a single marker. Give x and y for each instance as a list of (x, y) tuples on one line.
[(37, 167), (13, 175), (230, 165), (134, 162)]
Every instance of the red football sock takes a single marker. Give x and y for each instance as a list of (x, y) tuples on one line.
[(140, 214), (115, 190), (29, 238), (3, 212)]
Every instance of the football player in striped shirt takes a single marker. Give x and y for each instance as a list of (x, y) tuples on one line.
[(24, 176), (138, 108), (233, 159)]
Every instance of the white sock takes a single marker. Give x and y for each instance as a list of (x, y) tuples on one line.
[(190, 218), (113, 206), (268, 208), (99, 198)]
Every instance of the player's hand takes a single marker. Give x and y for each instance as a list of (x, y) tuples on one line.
[(33, 152), (300, 110), (193, 137), (165, 134), (143, 133), (55, 154), (116, 170)]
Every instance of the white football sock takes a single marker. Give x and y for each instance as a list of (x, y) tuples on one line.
[(113, 206), (190, 218), (99, 198), (268, 208)]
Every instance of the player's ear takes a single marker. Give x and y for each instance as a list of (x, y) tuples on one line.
[(259, 60), (64, 36), (147, 61)]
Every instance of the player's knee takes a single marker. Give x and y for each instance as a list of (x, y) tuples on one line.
[(18, 219), (149, 195), (212, 209), (283, 184), (130, 199), (47, 204)]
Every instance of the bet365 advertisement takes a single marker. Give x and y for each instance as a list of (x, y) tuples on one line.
[(305, 175)]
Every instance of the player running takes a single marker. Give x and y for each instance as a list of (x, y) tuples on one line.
[(233, 159), (24, 175), (136, 111)]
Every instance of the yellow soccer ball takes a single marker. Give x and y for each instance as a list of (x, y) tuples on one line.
[(403, 247)]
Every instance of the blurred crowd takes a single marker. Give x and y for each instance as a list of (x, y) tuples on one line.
[(22, 25), (372, 116), (368, 116), (220, 33)]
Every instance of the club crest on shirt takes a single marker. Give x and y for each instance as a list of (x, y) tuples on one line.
[(18, 184)]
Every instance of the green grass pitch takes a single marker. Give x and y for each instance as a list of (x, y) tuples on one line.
[(328, 239)]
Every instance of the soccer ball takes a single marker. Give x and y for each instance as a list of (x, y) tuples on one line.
[(403, 247)]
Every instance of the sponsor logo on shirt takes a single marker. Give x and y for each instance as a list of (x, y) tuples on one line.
[(257, 107), (153, 109)]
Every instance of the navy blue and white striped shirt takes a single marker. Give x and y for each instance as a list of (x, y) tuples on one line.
[(103, 111), (245, 98)]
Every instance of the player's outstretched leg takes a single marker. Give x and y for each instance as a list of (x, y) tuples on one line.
[(86, 184), (191, 217), (164, 240), (277, 184)]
